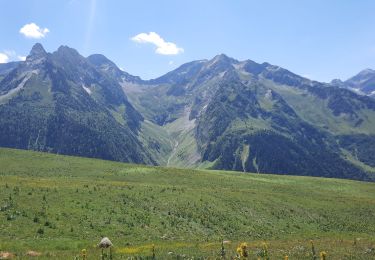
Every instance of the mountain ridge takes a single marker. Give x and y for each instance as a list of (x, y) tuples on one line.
[(219, 114), (60, 103)]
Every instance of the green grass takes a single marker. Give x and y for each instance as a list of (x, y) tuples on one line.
[(75, 201)]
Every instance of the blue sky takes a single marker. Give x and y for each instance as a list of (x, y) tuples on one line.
[(319, 39)]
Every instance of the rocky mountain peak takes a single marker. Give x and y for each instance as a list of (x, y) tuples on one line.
[(222, 59), (66, 49), (37, 52), (107, 66), (102, 62), (366, 72), (37, 49), (99, 59)]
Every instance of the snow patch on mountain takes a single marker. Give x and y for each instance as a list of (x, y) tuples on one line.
[(88, 90)]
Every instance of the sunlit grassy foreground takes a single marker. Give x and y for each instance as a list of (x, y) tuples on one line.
[(59, 205)]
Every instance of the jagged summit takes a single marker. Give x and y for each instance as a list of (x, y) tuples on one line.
[(366, 71), (67, 55), (107, 66), (223, 57), (99, 59), (102, 62), (337, 82), (37, 49), (221, 61), (363, 74), (37, 52), (363, 81), (67, 49)]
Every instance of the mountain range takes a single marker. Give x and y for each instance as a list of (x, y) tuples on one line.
[(363, 83), (217, 114)]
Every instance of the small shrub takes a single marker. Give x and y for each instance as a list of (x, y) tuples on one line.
[(40, 231)]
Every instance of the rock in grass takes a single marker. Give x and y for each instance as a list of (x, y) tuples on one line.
[(105, 243), (6, 255), (33, 253)]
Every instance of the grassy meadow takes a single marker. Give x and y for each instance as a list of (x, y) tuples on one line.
[(58, 205)]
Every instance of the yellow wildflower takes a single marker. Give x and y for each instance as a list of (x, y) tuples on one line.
[(242, 250), (84, 253)]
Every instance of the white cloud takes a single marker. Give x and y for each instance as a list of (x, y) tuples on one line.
[(162, 47), (31, 30), (10, 55), (22, 58), (171, 62), (3, 58), (10, 52)]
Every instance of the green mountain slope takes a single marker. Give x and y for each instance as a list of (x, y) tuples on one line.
[(219, 114), (245, 116), (60, 103), (179, 210)]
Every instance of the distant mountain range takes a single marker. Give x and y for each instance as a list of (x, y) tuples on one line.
[(219, 114), (363, 83)]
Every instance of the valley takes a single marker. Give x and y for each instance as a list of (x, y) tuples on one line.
[(221, 114)]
